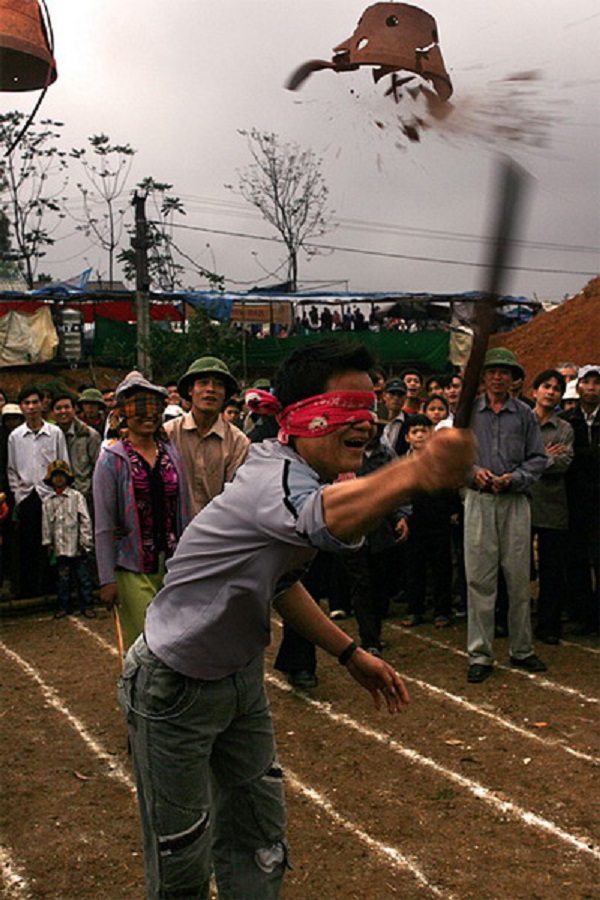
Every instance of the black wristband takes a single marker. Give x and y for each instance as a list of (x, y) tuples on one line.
[(344, 657)]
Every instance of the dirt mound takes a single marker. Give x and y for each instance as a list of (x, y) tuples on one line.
[(569, 332)]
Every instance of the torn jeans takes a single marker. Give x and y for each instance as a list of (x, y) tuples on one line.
[(210, 790)]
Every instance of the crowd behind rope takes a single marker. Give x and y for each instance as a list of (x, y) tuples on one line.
[(97, 488)]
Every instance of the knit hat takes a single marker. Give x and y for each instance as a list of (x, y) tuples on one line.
[(91, 395), (502, 356), (59, 466), (207, 365)]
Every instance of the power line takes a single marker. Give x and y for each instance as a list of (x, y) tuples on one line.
[(383, 253), (230, 207)]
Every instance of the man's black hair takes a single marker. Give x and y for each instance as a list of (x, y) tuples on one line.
[(437, 378), (446, 380), (307, 370), (418, 419), (546, 375), (377, 371), (63, 395), (412, 370), (28, 391)]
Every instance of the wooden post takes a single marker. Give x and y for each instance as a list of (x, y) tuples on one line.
[(142, 285)]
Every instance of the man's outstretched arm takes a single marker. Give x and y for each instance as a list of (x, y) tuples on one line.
[(351, 508), (300, 611)]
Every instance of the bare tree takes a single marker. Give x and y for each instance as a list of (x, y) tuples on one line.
[(285, 183), (32, 180), (106, 171)]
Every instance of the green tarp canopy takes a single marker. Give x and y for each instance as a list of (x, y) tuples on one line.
[(428, 348), (115, 343)]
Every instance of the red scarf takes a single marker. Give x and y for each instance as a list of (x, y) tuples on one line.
[(314, 416)]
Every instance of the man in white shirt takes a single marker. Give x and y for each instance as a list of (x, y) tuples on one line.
[(31, 448)]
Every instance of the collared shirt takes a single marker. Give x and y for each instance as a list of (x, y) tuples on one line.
[(590, 419), (549, 494), (509, 442), (210, 460), (253, 542), (29, 455), (66, 523)]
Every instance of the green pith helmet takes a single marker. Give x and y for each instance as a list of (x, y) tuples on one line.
[(91, 395), (207, 365), (502, 356)]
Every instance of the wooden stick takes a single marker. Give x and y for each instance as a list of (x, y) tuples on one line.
[(512, 181), (119, 632)]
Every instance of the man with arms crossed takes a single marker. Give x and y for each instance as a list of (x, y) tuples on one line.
[(210, 788)]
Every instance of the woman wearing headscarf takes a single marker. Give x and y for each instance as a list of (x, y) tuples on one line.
[(141, 503)]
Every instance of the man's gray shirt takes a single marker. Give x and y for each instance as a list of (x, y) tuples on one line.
[(509, 442), (249, 544)]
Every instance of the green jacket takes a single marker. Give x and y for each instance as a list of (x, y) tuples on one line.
[(84, 446)]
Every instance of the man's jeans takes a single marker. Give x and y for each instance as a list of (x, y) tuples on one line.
[(210, 790)]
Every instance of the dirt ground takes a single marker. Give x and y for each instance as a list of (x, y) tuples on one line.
[(476, 791)]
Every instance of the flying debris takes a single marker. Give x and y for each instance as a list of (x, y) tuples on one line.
[(391, 37)]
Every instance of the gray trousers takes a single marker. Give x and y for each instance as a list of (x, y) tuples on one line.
[(497, 535), (210, 790)]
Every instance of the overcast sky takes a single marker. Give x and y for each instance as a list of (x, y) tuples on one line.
[(177, 80)]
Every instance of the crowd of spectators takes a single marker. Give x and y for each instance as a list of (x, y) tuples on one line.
[(97, 487)]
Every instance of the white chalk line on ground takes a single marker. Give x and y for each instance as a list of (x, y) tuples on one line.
[(392, 854), (583, 647), (16, 886), (506, 807), (500, 720), (95, 636), (454, 698), (52, 698), (537, 678)]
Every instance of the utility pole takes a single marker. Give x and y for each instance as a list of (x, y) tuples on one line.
[(140, 244)]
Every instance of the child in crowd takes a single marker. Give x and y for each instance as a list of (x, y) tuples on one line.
[(428, 544), (67, 532), (436, 408)]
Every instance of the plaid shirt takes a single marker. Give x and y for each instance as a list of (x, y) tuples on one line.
[(66, 523)]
